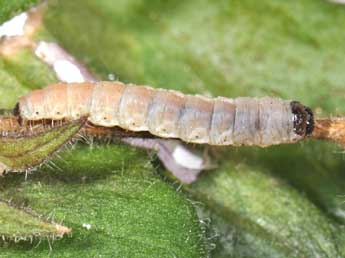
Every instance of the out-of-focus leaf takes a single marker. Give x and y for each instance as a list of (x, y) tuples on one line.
[(21, 73), (236, 48), (9, 8), (276, 219)]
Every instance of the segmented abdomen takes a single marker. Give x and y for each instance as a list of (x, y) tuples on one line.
[(171, 114)]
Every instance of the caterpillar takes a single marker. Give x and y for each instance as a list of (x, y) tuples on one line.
[(171, 114)]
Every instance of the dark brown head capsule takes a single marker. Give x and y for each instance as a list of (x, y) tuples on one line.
[(303, 119)]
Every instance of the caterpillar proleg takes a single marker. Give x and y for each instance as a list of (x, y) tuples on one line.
[(171, 114)]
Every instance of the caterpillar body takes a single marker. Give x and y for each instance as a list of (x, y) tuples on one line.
[(171, 114)]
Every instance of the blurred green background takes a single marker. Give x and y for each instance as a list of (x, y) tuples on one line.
[(282, 201)]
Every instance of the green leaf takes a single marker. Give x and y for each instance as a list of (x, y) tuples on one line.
[(23, 151), (276, 202), (17, 224), (9, 8), (115, 204)]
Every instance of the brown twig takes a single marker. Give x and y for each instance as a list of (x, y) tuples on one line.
[(331, 129), (10, 125)]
